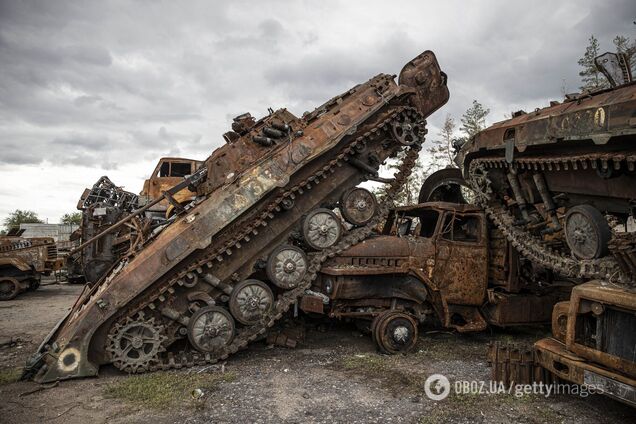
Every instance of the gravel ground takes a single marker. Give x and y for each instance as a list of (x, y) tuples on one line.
[(335, 375)]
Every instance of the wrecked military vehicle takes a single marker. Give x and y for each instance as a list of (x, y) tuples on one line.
[(439, 264), (233, 260), (105, 204), (23, 262)]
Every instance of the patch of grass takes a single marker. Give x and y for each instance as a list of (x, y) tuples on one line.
[(162, 390), (10, 375), (364, 362)]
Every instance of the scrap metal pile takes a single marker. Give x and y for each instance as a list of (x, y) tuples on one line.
[(232, 261)]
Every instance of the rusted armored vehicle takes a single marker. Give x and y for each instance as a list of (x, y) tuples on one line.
[(594, 341), (438, 264), (559, 181), (23, 261), (226, 266), (105, 204)]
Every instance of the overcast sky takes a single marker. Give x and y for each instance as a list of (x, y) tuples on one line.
[(107, 87)]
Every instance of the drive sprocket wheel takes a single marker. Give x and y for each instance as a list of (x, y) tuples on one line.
[(406, 130), (358, 206), (321, 229), (135, 345), (287, 266), (211, 328), (9, 288), (394, 332), (250, 301)]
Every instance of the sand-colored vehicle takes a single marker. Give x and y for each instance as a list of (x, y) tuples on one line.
[(23, 261)]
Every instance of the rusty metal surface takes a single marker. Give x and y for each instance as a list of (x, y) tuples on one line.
[(449, 263), (513, 364), (600, 325), (23, 261), (255, 193), (555, 180)]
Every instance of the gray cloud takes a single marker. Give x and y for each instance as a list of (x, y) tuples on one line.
[(108, 84)]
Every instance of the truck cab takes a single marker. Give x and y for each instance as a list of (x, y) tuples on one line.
[(168, 173), (437, 263)]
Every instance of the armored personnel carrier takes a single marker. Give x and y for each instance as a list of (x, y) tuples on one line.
[(226, 266), (560, 182), (23, 261)]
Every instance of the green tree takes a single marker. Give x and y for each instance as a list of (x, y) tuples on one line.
[(623, 45), (74, 218), (441, 149), (474, 119), (591, 78), (19, 216)]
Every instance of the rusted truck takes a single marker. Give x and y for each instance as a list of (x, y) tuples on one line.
[(438, 264), (227, 265), (594, 341), (23, 261)]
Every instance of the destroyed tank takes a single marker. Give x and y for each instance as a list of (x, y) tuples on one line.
[(560, 182), (227, 266)]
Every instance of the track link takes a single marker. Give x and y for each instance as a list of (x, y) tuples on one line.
[(247, 334)]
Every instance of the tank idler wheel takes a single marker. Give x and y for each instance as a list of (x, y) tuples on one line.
[(587, 232), (394, 332), (358, 206), (211, 328), (287, 266), (250, 301), (321, 229), (9, 288)]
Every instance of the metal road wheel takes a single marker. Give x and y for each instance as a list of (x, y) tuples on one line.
[(135, 345), (395, 332), (287, 266), (358, 205), (9, 288), (210, 328), (406, 131), (587, 232), (250, 300), (321, 229)]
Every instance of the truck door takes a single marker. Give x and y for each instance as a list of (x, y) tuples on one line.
[(461, 258)]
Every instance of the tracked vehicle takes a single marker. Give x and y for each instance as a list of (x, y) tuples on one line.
[(560, 182), (229, 264)]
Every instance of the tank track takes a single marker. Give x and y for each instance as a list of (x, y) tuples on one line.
[(247, 334), (530, 246)]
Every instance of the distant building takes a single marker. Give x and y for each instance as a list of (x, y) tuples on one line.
[(61, 233)]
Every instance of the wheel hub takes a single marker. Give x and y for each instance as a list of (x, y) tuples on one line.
[(289, 266), (361, 205), (401, 334), (252, 302)]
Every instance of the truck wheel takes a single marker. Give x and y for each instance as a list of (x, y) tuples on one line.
[(9, 288), (445, 185), (587, 232), (287, 266), (395, 332), (34, 284), (321, 229), (250, 301), (358, 206)]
